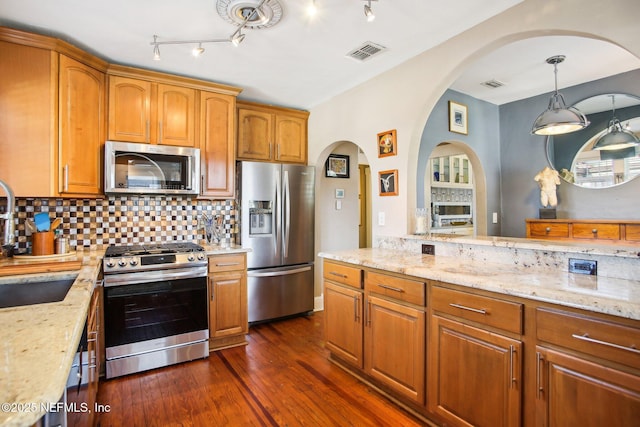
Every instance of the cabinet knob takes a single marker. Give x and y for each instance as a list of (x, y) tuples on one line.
[(548, 229), (594, 231)]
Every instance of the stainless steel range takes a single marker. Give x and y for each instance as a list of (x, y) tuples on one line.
[(155, 300)]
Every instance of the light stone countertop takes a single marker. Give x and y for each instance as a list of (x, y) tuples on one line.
[(38, 342), (618, 297)]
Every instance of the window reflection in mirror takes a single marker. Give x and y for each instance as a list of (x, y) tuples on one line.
[(573, 155)]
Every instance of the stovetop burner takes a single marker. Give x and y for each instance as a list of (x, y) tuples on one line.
[(152, 249)]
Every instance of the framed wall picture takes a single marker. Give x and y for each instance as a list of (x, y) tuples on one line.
[(337, 166), (388, 182), (387, 143), (458, 118)]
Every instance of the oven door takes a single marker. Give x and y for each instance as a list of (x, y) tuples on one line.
[(155, 316)]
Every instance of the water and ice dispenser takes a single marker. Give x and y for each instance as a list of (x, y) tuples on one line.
[(260, 217)]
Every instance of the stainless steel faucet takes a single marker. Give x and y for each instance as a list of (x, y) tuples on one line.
[(9, 239)]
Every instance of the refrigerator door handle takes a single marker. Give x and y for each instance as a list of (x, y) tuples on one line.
[(287, 215), (278, 273), (278, 214)]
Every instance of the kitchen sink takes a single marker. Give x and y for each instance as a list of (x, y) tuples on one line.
[(38, 292)]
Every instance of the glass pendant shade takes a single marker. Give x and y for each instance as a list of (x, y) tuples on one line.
[(616, 138)]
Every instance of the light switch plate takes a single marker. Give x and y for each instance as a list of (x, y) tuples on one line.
[(381, 218), (495, 217)]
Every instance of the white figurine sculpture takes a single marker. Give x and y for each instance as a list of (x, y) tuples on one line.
[(548, 179)]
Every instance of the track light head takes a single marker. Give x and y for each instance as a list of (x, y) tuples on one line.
[(237, 39), (156, 49), (197, 51), (368, 12)]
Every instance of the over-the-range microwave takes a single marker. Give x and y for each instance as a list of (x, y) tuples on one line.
[(133, 168)]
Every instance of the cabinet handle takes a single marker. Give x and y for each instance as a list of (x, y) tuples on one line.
[(66, 177), (147, 132), (227, 264), (277, 151), (511, 351), (270, 149), (391, 288), (355, 308), (462, 307), (211, 287), (585, 337), (539, 388), (368, 313), (548, 229), (342, 276)]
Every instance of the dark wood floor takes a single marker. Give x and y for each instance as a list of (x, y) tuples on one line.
[(282, 378)]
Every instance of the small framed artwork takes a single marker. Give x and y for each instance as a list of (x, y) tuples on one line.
[(458, 118), (388, 182), (337, 166), (339, 193), (387, 143)]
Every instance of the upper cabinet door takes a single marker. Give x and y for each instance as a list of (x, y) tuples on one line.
[(217, 144), (176, 116), (291, 139), (129, 109), (255, 134), (82, 127)]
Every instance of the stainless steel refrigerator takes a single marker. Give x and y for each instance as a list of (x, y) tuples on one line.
[(277, 224)]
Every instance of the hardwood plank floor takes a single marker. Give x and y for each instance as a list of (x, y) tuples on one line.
[(282, 378)]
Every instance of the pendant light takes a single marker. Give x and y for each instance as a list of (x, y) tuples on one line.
[(616, 137), (557, 118)]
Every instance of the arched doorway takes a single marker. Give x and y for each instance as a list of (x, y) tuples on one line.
[(462, 182)]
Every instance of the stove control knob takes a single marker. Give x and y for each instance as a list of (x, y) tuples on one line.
[(201, 257), (122, 262), (191, 257), (111, 264), (133, 262)]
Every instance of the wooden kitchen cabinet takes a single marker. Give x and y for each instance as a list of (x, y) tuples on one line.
[(395, 333), (82, 95), (343, 312), (592, 230), (145, 111), (217, 130), (582, 360), (267, 133), (228, 319), (62, 93), (475, 374)]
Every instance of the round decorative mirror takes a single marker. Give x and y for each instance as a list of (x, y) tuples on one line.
[(574, 156)]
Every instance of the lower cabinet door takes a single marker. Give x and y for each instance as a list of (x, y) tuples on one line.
[(576, 392), (227, 304), (343, 322), (474, 375), (395, 347)]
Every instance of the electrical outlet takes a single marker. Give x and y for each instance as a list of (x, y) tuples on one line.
[(494, 219), (583, 266), (429, 249)]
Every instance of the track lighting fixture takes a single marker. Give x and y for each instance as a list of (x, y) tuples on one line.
[(368, 12), (236, 37), (557, 118)]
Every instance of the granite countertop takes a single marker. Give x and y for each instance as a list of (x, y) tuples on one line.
[(618, 297), (38, 342)]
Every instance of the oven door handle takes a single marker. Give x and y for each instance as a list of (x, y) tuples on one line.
[(153, 276)]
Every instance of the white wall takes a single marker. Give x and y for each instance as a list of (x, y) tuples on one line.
[(411, 90)]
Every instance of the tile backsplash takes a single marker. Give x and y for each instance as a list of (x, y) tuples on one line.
[(97, 223)]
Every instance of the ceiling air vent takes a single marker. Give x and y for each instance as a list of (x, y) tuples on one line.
[(493, 84), (366, 51)]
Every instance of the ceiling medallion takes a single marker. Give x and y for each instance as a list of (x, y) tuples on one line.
[(236, 11)]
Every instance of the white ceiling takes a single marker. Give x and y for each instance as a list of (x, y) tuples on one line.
[(301, 62)]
